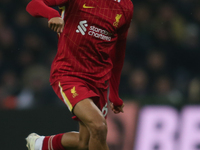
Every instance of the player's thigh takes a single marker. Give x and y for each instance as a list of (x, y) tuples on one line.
[(89, 113)]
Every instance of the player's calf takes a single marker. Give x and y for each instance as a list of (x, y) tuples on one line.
[(82, 146)]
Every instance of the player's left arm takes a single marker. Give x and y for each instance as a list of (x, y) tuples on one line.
[(117, 56)]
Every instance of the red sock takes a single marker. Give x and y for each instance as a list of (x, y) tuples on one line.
[(53, 142)]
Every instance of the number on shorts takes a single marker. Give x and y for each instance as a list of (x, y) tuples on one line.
[(105, 110)]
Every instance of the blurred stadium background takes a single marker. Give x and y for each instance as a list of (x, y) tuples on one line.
[(160, 80)]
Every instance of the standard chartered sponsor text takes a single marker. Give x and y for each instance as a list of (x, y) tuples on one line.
[(99, 33)]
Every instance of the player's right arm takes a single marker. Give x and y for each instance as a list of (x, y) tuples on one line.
[(42, 8)]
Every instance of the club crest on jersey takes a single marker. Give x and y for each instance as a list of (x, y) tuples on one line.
[(74, 93), (117, 18)]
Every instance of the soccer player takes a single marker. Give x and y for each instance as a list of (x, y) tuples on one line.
[(91, 49)]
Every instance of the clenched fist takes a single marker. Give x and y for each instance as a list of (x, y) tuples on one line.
[(56, 24), (117, 109)]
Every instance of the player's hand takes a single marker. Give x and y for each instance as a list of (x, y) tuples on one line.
[(56, 24), (117, 109)]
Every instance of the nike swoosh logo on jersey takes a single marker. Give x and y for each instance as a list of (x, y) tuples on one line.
[(84, 6)]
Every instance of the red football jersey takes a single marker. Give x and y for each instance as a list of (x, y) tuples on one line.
[(92, 44)]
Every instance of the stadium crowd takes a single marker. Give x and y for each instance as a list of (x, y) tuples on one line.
[(161, 65)]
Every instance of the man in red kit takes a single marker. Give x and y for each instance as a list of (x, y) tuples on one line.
[(91, 50)]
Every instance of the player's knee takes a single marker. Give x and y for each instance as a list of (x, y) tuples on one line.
[(99, 130)]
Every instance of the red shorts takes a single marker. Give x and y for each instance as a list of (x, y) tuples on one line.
[(72, 90)]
